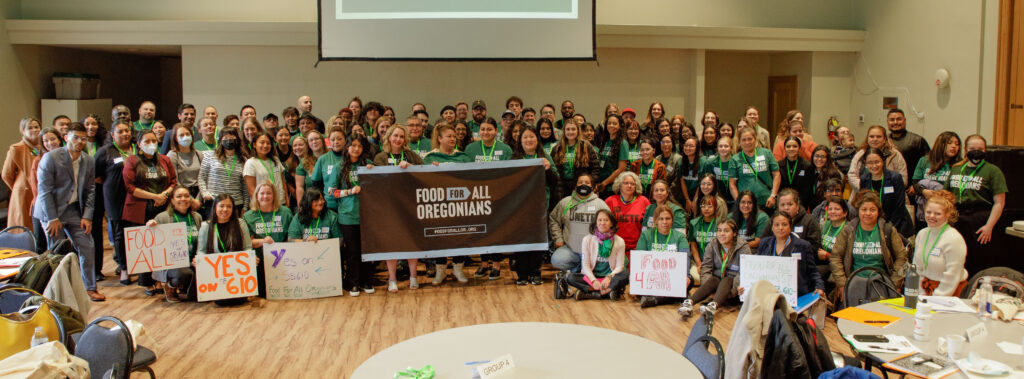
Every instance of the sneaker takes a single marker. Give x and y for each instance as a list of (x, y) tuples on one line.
[(392, 286), (368, 289), (354, 292), (521, 281), (495, 274), (648, 301), (481, 272), (535, 280), (686, 309), (709, 308)]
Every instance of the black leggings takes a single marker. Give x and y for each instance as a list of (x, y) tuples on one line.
[(528, 263), (357, 272), (444, 260), (721, 288), (97, 230), (498, 257), (619, 281)]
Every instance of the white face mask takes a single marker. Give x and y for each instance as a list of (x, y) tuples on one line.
[(185, 140), (149, 149)]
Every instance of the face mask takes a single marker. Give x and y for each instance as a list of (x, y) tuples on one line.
[(975, 156), (185, 140), (149, 149), (583, 191), (229, 144)]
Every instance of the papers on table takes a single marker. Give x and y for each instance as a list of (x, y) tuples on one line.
[(878, 320), (897, 345), (948, 304)]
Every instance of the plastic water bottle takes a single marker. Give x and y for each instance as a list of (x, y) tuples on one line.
[(985, 299), (923, 322), (911, 287), (39, 337)]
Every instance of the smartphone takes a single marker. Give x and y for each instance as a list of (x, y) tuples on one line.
[(870, 338)]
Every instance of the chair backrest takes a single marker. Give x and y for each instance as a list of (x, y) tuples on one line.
[(12, 299), (18, 237), (103, 347), (874, 286), (712, 366), (1004, 280), (56, 318)]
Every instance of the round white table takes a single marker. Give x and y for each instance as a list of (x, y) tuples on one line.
[(943, 324), (538, 349)]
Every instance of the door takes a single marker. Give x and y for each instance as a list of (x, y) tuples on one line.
[(781, 99), (1009, 128)]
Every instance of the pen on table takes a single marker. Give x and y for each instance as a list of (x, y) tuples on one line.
[(475, 363), (941, 302), (883, 348), (877, 321)]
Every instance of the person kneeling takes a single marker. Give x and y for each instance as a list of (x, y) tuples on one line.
[(663, 238), (603, 264), (719, 270)]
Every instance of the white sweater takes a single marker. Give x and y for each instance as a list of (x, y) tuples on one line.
[(945, 260)]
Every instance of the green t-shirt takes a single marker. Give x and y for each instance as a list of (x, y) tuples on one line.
[(651, 240), (442, 158), (976, 185), (328, 172), (829, 234), (921, 171), (546, 156), (348, 206), (274, 224), (867, 250), (761, 223), (603, 268), (138, 126), (498, 151), (421, 147), (300, 170), (690, 175), (702, 232), (754, 173), (323, 228), (609, 163), (678, 217), (548, 146), (201, 145), (567, 170), (632, 151), (715, 165)]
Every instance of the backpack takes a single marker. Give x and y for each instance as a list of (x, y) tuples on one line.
[(860, 290), (35, 273), (561, 286)]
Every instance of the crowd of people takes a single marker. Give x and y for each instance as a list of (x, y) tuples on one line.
[(616, 184)]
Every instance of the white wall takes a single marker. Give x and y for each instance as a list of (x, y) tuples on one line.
[(271, 78)]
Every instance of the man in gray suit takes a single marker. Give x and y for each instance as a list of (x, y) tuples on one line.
[(65, 202)]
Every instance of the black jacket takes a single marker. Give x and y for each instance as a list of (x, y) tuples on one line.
[(803, 178), (808, 277), (109, 165), (816, 349), (894, 200), (783, 353), (807, 228)]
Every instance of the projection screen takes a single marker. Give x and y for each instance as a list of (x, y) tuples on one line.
[(456, 30)]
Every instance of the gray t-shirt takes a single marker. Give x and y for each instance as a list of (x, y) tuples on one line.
[(187, 167)]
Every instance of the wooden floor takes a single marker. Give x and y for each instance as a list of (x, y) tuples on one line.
[(330, 337)]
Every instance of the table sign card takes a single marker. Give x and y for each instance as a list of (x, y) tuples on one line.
[(779, 271), (161, 247), (496, 367), (658, 273), (226, 275), (303, 270), (977, 332)]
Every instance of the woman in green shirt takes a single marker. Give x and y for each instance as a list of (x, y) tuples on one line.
[(718, 164), (661, 196), (313, 221), (933, 170), (613, 154), (223, 232), (268, 223), (358, 274), (662, 237), (755, 169), (528, 147), (488, 148), (306, 164), (445, 153), (980, 190), (750, 220), (175, 281), (703, 228), (689, 167), (868, 241), (327, 172), (836, 213)]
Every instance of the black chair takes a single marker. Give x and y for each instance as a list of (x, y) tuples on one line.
[(1003, 279), (24, 240), (104, 348), (696, 350)]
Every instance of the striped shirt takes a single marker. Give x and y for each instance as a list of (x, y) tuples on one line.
[(216, 178)]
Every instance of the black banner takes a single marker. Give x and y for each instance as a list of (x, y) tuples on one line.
[(453, 209)]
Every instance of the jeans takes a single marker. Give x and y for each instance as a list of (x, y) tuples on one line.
[(71, 222), (565, 259)]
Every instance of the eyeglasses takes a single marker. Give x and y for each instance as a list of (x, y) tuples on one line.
[(707, 206)]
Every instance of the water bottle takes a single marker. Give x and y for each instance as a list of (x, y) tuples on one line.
[(911, 287), (985, 299), (923, 322), (39, 337)]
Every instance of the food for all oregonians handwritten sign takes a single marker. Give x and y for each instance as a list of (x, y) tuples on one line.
[(779, 271), (161, 247), (303, 270), (226, 275), (658, 273)]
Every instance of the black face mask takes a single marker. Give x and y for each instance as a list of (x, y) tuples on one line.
[(975, 156), (229, 144), (583, 191)]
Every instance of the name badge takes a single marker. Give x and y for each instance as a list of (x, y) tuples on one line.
[(118, 160), (325, 230), (670, 247), (591, 209), (602, 164), (796, 255), (759, 158), (801, 173), (935, 252), (392, 161), (277, 218), (798, 229), (499, 152), (888, 189), (718, 171), (330, 169), (151, 175), (733, 268)]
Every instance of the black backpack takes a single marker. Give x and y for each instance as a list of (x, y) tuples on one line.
[(35, 273), (873, 287)]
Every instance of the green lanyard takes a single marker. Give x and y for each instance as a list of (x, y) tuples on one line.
[(837, 230), (721, 171), (775, 246), (624, 202), (93, 151), (571, 205), (490, 156), (188, 226), (790, 172), (646, 182), (667, 239), (725, 251), (234, 160), (928, 237), (534, 156), (703, 241), (273, 219), (397, 162), (351, 172), (963, 183), (632, 151), (315, 227), (570, 162), (418, 142), (880, 187), (860, 233), (131, 148), (216, 234), (270, 171), (752, 171)]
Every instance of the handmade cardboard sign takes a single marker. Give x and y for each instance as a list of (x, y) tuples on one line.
[(156, 248), (226, 275), (658, 273), (303, 270), (779, 271)]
